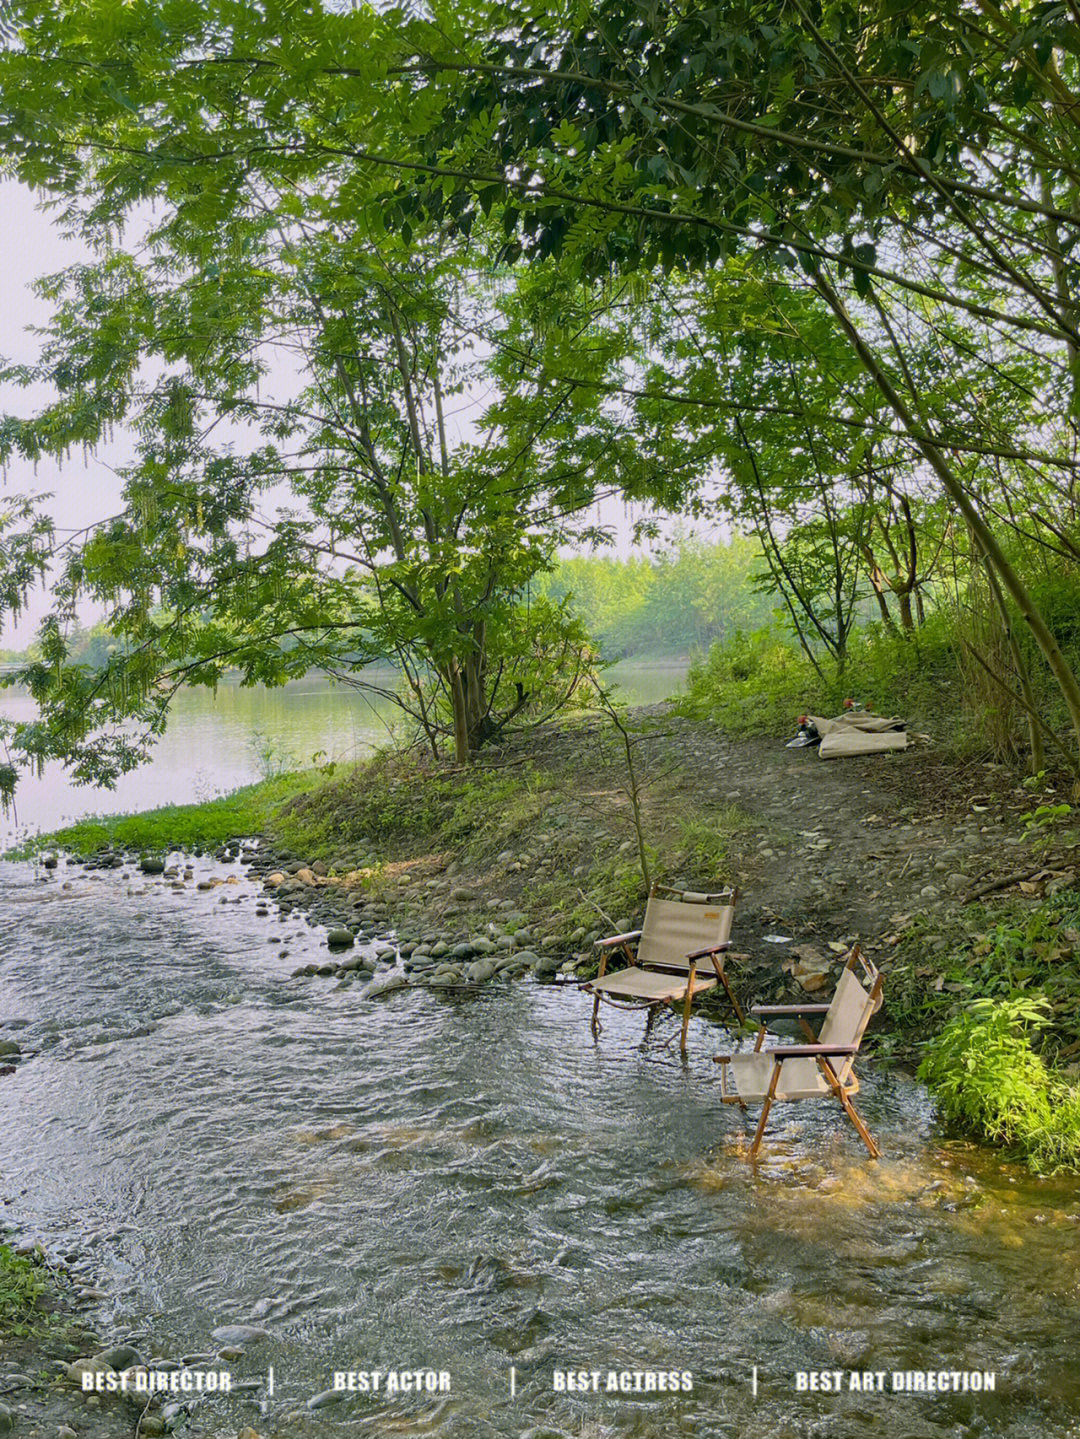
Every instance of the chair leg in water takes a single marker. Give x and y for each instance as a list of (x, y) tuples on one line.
[(857, 1119), (767, 1104)]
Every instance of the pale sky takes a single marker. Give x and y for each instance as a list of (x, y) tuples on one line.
[(87, 491)]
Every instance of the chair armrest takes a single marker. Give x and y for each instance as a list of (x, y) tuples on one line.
[(810, 1051), (790, 1010), (617, 939), (711, 949)]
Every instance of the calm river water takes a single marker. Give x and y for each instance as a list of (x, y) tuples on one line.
[(218, 742), (473, 1185)]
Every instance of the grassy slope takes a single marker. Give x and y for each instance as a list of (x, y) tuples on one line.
[(178, 826)]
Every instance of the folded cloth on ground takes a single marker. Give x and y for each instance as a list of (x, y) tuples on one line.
[(859, 733)]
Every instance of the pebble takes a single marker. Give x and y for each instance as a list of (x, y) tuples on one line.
[(379, 987), (327, 1397), (123, 1356), (79, 1367), (239, 1333)]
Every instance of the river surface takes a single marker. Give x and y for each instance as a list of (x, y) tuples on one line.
[(473, 1185), (218, 742)]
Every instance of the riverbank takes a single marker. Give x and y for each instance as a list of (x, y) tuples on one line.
[(48, 1352), (420, 1178), (956, 879), (42, 1338)]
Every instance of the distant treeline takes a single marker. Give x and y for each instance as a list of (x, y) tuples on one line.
[(676, 603), (85, 647)]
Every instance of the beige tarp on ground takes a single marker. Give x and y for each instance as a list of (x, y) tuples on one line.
[(858, 733)]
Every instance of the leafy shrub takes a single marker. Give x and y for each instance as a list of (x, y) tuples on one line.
[(760, 683), (20, 1287), (988, 1080), (757, 684), (991, 951)]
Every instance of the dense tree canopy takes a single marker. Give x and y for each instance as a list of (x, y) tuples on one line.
[(825, 253)]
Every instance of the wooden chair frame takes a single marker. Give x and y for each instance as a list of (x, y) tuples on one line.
[(625, 942), (841, 1089)]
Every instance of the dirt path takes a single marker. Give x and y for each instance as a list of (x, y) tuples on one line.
[(852, 848), (824, 851)]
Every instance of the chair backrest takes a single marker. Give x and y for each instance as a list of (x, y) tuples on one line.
[(851, 1009), (677, 922)]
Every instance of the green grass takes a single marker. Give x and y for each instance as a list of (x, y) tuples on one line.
[(399, 803), (991, 952), (177, 826), (21, 1285), (760, 683)]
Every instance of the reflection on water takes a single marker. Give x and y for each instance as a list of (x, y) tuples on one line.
[(218, 742), (472, 1185)]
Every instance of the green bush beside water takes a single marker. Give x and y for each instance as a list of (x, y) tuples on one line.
[(21, 1286), (989, 1081), (944, 964), (998, 990)]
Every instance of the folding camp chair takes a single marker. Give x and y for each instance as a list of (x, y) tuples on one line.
[(680, 928), (816, 1070)]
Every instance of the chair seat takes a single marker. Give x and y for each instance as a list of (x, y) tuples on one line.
[(799, 1078), (637, 983)]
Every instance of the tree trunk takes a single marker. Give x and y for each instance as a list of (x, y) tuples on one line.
[(1038, 755), (880, 584), (953, 487), (460, 711)]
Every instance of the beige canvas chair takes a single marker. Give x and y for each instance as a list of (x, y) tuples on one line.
[(681, 929), (820, 1069)]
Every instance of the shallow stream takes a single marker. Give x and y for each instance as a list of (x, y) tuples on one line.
[(471, 1185)]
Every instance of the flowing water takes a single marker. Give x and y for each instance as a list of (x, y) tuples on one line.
[(217, 742), (471, 1185)]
